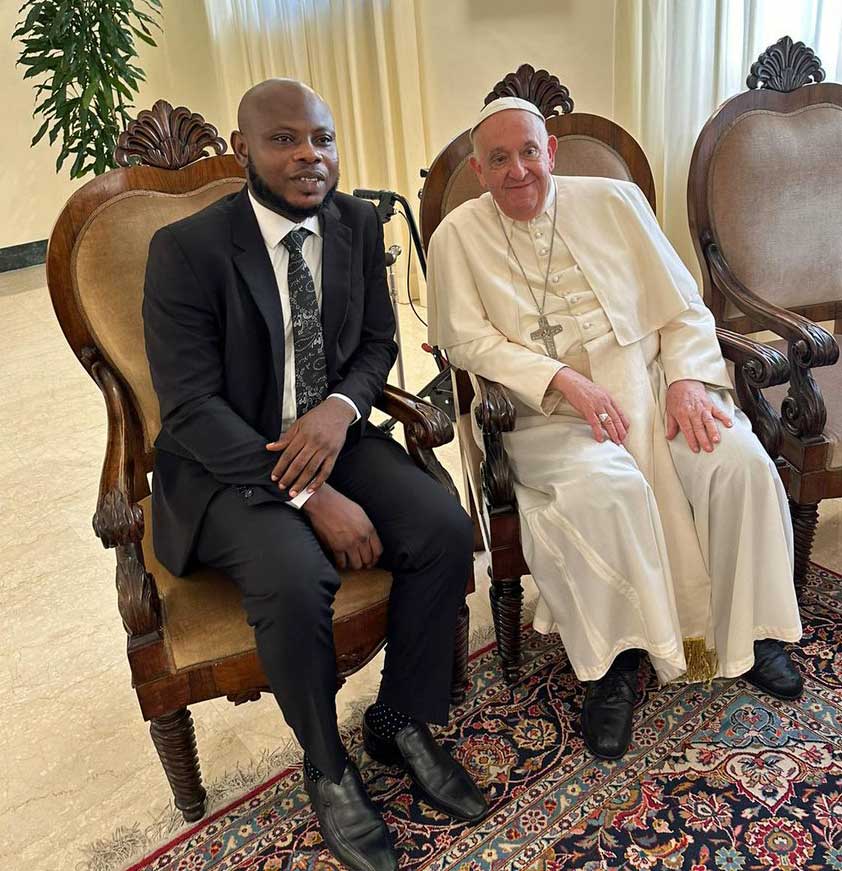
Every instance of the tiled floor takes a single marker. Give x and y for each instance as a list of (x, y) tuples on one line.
[(81, 787)]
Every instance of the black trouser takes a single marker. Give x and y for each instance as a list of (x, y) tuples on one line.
[(288, 585)]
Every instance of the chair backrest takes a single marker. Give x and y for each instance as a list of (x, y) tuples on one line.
[(765, 186), (587, 145), (96, 260)]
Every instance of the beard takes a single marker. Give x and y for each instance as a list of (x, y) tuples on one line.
[(280, 204)]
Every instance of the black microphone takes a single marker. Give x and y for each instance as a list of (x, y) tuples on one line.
[(366, 194)]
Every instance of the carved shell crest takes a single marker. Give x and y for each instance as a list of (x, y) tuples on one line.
[(167, 138), (785, 66), (539, 87)]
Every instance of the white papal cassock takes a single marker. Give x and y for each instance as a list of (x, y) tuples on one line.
[(648, 545)]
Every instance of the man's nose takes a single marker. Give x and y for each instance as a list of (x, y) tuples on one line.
[(307, 152), (517, 169)]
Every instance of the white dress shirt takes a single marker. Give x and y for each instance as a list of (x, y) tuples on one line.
[(273, 228)]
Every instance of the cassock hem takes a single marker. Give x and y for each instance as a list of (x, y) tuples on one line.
[(739, 668)]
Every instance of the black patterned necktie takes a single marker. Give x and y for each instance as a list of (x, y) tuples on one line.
[(308, 341)]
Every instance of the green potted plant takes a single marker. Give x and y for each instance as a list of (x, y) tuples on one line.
[(85, 50)]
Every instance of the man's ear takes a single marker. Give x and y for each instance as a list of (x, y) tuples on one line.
[(477, 168), (240, 148), (552, 147)]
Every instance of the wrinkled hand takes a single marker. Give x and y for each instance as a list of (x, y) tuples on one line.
[(344, 529), (590, 400), (689, 409), (310, 446)]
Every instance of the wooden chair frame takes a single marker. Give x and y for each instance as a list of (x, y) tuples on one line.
[(786, 78), (492, 496), (170, 144)]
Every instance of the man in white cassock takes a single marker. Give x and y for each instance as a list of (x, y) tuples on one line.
[(651, 517)]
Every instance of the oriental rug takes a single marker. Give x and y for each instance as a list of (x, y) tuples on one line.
[(719, 777)]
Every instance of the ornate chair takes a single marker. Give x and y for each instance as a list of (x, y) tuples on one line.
[(588, 145), (765, 204), (187, 641)]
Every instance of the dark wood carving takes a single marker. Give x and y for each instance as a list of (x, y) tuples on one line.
[(137, 596), (805, 519), (809, 345), (117, 521), (459, 687), (425, 427), (495, 415), (507, 610), (539, 87), (756, 367), (175, 741), (785, 66), (167, 138)]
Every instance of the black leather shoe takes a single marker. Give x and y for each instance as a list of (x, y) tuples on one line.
[(607, 712), (774, 671), (350, 824), (444, 782)]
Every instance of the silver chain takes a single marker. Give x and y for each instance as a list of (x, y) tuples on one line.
[(517, 259)]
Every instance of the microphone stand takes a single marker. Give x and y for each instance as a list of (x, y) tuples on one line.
[(440, 389)]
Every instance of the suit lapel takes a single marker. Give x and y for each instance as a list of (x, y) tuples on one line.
[(336, 281), (253, 263)]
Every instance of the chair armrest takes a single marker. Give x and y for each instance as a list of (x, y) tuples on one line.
[(756, 366), (425, 427), (118, 520), (495, 414), (809, 345)]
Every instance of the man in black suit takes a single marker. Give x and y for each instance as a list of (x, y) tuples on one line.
[(269, 333)]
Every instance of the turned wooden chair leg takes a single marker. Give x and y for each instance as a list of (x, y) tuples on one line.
[(459, 688), (805, 519), (175, 740), (506, 608)]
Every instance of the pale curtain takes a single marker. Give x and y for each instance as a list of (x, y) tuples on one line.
[(675, 61), (362, 56)]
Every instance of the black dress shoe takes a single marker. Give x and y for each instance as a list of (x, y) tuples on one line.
[(444, 782), (607, 712), (350, 824), (774, 671)]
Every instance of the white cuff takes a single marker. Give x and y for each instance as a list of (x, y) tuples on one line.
[(350, 402), (298, 501)]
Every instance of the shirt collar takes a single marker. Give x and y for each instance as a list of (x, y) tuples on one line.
[(273, 227)]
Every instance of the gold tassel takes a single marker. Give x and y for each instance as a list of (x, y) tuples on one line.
[(701, 662)]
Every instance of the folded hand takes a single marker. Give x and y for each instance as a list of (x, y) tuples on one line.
[(310, 446)]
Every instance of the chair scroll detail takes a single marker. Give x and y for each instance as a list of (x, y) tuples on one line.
[(538, 87), (785, 66), (167, 138)]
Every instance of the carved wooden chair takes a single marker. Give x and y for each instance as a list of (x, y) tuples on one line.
[(187, 641), (765, 205), (588, 145)]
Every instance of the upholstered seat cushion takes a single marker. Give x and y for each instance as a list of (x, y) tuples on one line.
[(829, 380), (203, 618)]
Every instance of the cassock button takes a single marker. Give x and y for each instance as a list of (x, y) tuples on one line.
[(587, 325), (545, 251), (556, 278), (574, 299), (538, 234)]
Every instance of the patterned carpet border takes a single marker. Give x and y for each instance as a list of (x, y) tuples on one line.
[(717, 777)]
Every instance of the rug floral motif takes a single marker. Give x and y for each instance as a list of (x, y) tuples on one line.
[(719, 777)]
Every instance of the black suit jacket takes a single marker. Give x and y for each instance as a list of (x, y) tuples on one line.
[(215, 342)]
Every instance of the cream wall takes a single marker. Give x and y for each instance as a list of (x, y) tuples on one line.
[(469, 45), (32, 193)]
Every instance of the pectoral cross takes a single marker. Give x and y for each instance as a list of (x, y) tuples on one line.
[(547, 333)]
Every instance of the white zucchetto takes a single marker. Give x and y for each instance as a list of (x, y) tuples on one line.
[(500, 105)]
